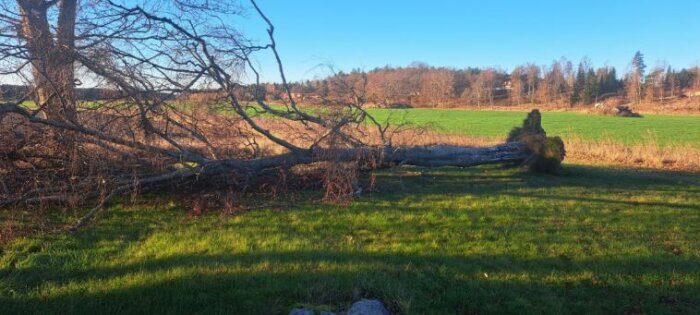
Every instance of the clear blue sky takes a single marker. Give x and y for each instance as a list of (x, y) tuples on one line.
[(367, 34)]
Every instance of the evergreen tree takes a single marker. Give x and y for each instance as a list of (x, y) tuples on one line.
[(638, 64), (612, 84), (635, 78), (607, 80), (578, 85), (685, 78), (590, 88)]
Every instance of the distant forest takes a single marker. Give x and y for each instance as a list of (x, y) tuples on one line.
[(560, 83), (419, 85)]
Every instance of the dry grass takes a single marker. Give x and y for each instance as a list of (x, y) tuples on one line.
[(649, 154), (646, 155)]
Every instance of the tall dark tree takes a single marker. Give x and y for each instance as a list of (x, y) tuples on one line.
[(638, 64), (635, 79), (579, 84), (590, 88)]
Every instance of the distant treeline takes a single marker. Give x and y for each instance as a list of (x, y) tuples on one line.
[(15, 92), (561, 83), (419, 85)]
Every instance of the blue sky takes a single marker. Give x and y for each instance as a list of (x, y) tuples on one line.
[(367, 34)]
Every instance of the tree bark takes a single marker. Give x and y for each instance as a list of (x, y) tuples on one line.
[(430, 156), (52, 59)]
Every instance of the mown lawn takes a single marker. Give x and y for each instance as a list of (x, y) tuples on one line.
[(430, 241), (664, 130)]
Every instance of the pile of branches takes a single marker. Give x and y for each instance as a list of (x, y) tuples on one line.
[(152, 55)]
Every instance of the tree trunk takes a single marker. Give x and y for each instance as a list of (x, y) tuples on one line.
[(52, 59), (431, 156)]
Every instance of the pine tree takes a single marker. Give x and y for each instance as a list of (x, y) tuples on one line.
[(578, 85), (612, 84), (590, 88), (638, 64), (635, 78)]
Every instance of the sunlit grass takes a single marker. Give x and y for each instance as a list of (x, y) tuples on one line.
[(440, 241)]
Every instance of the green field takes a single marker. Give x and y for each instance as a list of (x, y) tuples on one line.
[(665, 130), (430, 241)]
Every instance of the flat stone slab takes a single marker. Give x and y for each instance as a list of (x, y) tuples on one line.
[(302, 311), (368, 307)]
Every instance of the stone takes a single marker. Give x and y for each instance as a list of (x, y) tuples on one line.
[(368, 307), (302, 311)]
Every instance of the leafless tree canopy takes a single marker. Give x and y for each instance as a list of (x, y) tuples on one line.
[(149, 58)]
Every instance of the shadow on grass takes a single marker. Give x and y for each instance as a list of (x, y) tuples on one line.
[(428, 281), (585, 179), (418, 284)]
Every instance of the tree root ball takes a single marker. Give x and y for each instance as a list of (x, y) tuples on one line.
[(547, 153)]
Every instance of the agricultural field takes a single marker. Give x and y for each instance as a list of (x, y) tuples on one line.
[(665, 130), (428, 241)]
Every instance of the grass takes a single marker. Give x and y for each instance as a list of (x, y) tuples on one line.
[(665, 130), (431, 241)]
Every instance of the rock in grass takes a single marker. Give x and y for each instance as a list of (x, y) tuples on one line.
[(302, 311), (367, 307)]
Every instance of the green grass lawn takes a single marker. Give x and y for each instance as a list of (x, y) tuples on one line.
[(666, 130), (431, 241)]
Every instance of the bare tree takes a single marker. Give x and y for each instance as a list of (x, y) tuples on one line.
[(517, 86), (655, 86), (436, 87), (532, 73)]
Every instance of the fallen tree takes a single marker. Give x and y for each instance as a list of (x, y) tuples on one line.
[(144, 136), (527, 146)]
